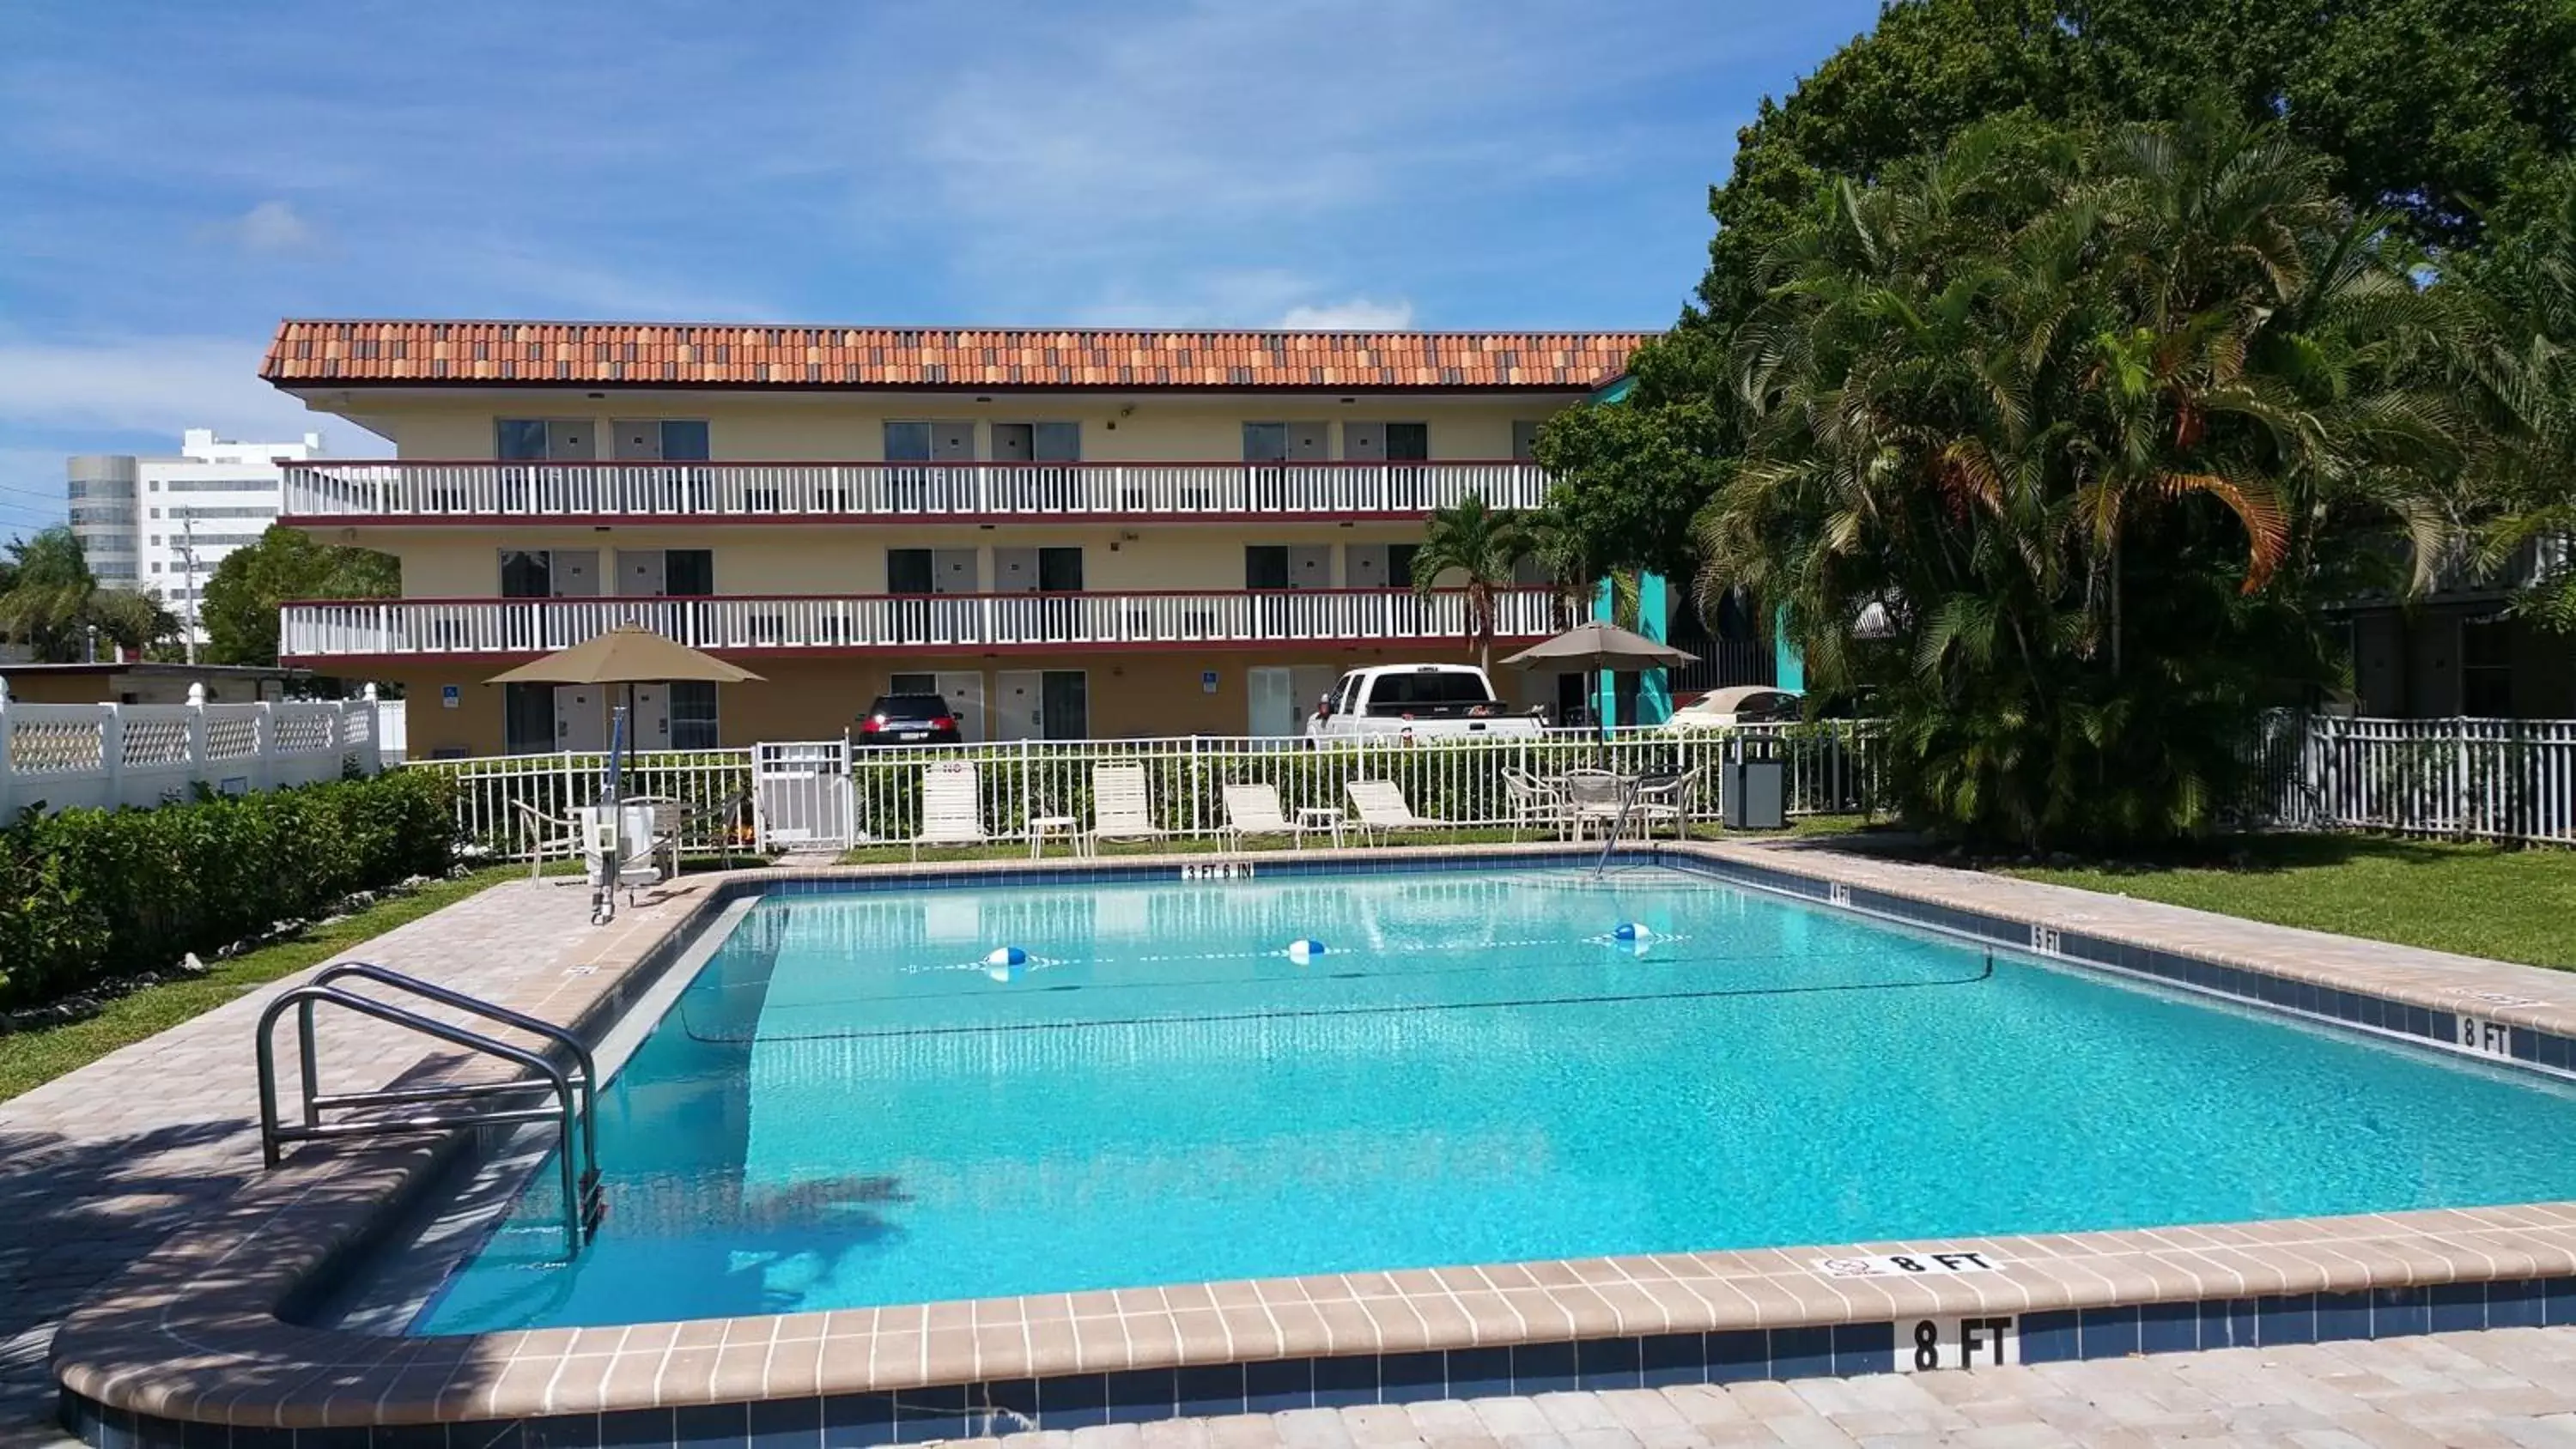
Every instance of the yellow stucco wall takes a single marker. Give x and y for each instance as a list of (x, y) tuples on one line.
[(851, 558), (1131, 694)]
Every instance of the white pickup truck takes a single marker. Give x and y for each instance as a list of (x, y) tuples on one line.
[(1426, 701)]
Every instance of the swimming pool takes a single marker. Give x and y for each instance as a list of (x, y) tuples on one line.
[(850, 1105)]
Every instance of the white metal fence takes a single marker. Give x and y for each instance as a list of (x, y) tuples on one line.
[(2472, 779), (828, 793), (58, 756)]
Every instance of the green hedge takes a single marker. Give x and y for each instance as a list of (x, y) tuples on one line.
[(90, 895)]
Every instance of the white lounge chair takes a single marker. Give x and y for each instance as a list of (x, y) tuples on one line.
[(951, 807), (1119, 807), (1381, 806), (1255, 810)]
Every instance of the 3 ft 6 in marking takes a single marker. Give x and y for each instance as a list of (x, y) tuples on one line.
[(1957, 1343)]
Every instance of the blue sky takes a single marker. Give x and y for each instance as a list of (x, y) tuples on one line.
[(179, 176)]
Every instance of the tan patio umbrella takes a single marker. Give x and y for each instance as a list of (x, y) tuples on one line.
[(629, 654), (1597, 646), (1602, 646)]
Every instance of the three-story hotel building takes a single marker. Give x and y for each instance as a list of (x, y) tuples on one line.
[(1066, 532)]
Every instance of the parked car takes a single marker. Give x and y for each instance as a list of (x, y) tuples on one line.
[(909, 719), (1737, 704), (1427, 701)]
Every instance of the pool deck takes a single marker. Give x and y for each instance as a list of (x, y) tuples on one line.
[(147, 1162)]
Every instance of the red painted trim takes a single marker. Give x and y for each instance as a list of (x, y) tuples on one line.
[(958, 464), (499, 659), (581, 599), (711, 517), (323, 382)]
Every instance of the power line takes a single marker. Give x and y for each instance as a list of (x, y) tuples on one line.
[(35, 493)]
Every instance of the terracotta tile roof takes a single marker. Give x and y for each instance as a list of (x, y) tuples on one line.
[(647, 354)]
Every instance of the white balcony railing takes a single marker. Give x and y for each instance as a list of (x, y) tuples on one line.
[(583, 491), (752, 624)]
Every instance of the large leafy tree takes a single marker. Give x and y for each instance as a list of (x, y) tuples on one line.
[(2085, 418), (1474, 547), (52, 601), (243, 598), (2445, 114), (2521, 364)]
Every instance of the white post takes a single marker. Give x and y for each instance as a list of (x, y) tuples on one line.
[(264, 746), (8, 788), (371, 754), (111, 752), (197, 772)]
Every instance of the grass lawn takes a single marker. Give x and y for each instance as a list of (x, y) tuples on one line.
[(33, 1057), (2511, 905)]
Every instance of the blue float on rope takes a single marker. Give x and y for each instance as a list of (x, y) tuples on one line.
[(1305, 950), (1629, 931), (1007, 956)]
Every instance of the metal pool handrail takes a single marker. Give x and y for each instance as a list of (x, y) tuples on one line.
[(571, 1090)]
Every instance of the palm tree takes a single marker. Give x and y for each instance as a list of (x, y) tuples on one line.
[(1482, 545), (2086, 418), (2521, 365), (53, 600)]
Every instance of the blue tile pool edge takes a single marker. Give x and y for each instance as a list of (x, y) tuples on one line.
[(1074, 1401)]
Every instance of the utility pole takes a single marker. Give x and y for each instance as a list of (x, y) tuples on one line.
[(188, 584)]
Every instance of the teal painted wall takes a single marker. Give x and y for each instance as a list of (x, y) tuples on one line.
[(1791, 666)]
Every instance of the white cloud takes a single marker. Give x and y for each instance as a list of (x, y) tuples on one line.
[(1359, 314), (156, 385), (270, 228)]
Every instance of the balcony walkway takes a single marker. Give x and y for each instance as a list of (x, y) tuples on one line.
[(582, 493), (1028, 622)]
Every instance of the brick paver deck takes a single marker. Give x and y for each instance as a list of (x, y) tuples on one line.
[(2512, 1388), (99, 1166)]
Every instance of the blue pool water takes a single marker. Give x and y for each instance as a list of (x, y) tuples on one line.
[(848, 1106)]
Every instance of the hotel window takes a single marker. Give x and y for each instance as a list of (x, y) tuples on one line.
[(1037, 442), (527, 573), (537, 440), (693, 714), (1524, 441), (2486, 668), (660, 440)]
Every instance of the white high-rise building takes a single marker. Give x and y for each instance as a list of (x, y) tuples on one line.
[(163, 523)]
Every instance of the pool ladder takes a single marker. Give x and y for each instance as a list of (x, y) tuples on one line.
[(567, 1099)]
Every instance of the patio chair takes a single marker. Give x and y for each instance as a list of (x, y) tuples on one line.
[(543, 837), (1533, 801), (951, 807), (669, 823), (1591, 796), (1381, 807), (1119, 807), (1255, 810), (1667, 800)]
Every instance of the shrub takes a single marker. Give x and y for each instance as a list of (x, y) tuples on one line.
[(89, 895)]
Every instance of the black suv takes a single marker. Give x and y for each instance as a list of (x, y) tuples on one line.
[(909, 719)]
